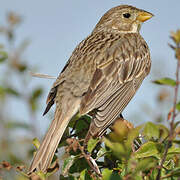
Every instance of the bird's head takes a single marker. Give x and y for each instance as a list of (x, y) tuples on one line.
[(123, 18)]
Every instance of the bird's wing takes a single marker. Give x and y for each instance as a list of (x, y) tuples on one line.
[(52, 94), (115, 82)]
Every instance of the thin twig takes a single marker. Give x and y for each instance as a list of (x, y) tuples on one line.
[(89, 160), (39, 75), (174, 114)]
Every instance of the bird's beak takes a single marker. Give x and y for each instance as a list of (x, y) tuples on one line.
[(144, 16)]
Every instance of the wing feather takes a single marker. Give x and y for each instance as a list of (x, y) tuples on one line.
[(114, 84)]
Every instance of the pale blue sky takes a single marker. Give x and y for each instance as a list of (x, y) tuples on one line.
[(56, 27)]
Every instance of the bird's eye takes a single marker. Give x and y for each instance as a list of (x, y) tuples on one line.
[(127, 15)]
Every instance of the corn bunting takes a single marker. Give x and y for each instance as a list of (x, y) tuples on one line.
[(102, 75)]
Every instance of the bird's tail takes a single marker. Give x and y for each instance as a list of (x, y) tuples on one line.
[(46, 151)]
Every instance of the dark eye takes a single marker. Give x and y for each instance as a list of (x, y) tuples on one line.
[(127, 15)]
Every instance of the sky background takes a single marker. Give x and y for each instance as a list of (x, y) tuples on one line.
[(56, 27)]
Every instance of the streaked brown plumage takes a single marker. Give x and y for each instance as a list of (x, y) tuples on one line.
[(103, 74)]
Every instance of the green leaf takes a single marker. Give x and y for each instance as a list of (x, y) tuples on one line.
[(82, 126), (84, 175), (68, 162), (34, 97), (36, 143), (2, 92), (11, 91), (174, 150), (14, 159), (92, 144), (16, 125), (137, 177), (33, 105), (79, 165), (169, 163), (165, 81), (174, 173), (41, 175), (3, 56), (178, 106), (37, 93), (21, 67), (163, 131), (176, 124), (115, 176), (119, 150), (101, 152), (70, 177), (8, 90), (176, 142), (74, 120), (148, 149), (146, 164), (132, 135), (2, 89), (151, 131), (106, 174)]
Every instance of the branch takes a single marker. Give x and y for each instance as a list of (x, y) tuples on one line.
[(174, 114), (90, 161)]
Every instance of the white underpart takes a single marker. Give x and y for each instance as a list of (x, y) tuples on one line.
[(133, 30)]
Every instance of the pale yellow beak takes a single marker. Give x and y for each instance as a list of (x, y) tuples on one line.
[(144, 16)]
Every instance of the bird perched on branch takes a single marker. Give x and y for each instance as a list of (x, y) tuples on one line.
[(103, 74)]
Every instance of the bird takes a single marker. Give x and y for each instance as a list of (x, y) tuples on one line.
[(102, 75)]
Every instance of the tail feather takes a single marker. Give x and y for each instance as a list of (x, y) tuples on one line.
[(45, 153)]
